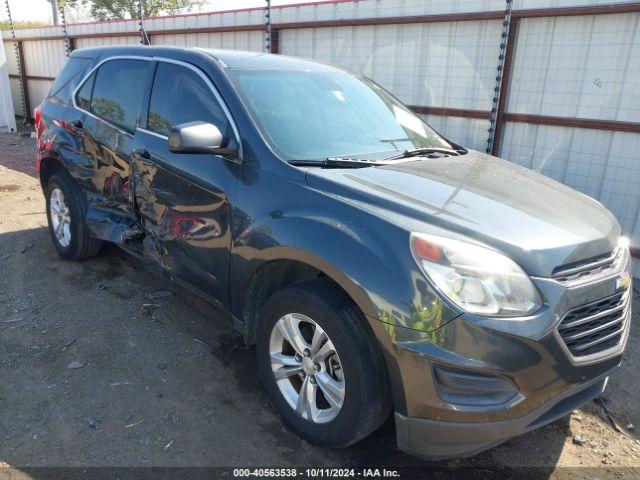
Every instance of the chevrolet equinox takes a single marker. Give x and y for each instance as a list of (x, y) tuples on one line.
[(378, 267)]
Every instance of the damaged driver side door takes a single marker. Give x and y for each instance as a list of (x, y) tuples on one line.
[(183, 199)]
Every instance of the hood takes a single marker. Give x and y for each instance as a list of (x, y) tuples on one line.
[(535, 220)]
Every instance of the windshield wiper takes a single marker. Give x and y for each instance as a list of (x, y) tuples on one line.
[(417, 152), (338, 162), (346, 162)]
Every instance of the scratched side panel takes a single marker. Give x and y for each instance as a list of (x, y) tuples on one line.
[(183, 201), (110, 214)]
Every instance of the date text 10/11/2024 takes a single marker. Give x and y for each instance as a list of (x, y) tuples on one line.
[(315, 473)]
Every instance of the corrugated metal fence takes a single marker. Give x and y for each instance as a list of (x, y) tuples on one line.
[(570, 100)]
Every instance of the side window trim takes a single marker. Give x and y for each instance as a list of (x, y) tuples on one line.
[(209, 84), (91, 78), (147, 99), (145, 103), (88, 75)]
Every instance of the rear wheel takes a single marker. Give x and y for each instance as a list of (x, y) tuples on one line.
[(66, 216), (321, 365), (60, 217)]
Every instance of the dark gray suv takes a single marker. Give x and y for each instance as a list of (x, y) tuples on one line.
[(377, 266)]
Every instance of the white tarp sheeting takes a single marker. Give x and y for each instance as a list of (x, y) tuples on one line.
[(7, 115)]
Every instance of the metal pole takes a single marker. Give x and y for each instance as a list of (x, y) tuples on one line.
[(144, 38), (21, 76), (54, 11), (67, 43), (498, 93), (267, 16), (501, 116)]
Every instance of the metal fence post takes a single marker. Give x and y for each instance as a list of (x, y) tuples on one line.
[(267, 17), (24, 81), (144, 38), (22, 74), (67, 42), (504, 87), (498, 98)]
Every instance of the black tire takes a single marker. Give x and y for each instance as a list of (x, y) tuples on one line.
[(82, 243), (367, 401)]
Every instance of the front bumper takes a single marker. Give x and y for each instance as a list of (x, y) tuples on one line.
[(528, 353), (462, 439)]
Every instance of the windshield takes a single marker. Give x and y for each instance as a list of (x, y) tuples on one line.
[(313, 115)]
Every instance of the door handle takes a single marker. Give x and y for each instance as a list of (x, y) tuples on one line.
[(144, 156), (77, 124)]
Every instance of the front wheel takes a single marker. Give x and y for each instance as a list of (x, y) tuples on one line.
[(66, 216), (321, 365)]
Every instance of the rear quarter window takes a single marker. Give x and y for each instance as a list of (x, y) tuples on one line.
[(66, 82), (83, 97)]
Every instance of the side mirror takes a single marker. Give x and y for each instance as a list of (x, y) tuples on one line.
[(198, 137)]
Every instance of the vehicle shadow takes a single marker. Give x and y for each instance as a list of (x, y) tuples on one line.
[(104, 364)]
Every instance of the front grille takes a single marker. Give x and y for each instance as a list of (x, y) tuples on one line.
[(584, 271), (597, 326)]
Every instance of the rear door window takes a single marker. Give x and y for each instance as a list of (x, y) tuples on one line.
[(118, 90), (180, 95)]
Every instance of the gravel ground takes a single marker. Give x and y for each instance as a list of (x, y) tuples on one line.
[(90, 376)]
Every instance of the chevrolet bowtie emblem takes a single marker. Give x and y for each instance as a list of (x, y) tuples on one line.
[(623, 281)]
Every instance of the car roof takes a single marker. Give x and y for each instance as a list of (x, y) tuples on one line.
[(260, 60), (228, 59)]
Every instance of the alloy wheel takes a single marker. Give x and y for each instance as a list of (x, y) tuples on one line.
[(60, 217), (307, 368)]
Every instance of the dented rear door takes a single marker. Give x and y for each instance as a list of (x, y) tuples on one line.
[(109, 102)]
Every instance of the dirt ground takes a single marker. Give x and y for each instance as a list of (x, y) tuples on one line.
[(91, 375)]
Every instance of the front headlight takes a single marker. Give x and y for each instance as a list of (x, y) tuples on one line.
[(477, 279)]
